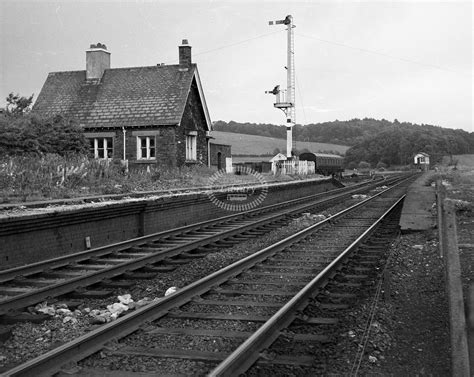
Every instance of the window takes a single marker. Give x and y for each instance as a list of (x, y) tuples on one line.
[(191, 153), (146, 148), (101, 147)]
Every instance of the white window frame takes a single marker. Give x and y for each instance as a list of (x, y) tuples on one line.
[(146, 139), (106, 140), (191, 146)]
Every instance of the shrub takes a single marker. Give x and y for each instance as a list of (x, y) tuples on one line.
[(30, 133)]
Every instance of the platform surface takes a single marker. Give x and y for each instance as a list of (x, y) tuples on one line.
[(417, 207)]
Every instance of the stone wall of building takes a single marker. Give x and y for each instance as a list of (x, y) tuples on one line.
[(193, 120), (224, 150)]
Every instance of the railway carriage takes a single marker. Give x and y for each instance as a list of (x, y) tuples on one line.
[(326, 164)]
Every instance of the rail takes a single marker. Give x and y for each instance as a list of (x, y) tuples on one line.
[(92, 342), (242, 222)]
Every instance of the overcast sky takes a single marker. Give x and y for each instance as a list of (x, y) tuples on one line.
[(380, 59)]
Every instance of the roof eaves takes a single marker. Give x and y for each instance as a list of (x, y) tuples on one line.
[(203, 100)]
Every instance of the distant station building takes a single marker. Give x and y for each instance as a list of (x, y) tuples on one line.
[(154, 115), (422, 160)]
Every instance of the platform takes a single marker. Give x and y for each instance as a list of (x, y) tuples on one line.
[(417, 207)]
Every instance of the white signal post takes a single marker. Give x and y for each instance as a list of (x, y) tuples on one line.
[(287, 102)]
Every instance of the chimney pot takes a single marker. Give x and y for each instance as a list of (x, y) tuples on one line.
[(185, 53), (97, 61)]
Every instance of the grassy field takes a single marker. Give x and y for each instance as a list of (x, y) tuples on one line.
[(257, 145), (463, 160)]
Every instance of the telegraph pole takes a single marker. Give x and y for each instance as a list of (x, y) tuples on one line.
[(286, 102)]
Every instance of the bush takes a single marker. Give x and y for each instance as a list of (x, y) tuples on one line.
[(52, 176), (30, 133)]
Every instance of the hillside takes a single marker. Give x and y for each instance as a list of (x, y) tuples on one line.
[(374, 141), (243, 144)]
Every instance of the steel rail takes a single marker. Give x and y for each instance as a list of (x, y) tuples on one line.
[(247, 353), (9, 274), (58, 289), (63, 287), (92, 342)]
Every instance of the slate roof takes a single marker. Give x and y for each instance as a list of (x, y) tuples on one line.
[(130, 97)]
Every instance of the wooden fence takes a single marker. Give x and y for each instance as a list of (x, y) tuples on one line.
[(293, 167)]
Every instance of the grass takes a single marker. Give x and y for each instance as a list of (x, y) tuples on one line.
[(457, 174), (243, 144), (30, 178), (33, 178)]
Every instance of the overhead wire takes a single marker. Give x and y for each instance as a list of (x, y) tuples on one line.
[(231, 44), (380, 53)]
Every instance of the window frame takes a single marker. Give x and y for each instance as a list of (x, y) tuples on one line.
[(191, 146), (94, 147), (146, 138)]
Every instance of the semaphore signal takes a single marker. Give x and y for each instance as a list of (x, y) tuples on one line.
[(285, 100)]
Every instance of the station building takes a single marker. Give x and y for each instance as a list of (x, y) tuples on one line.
[(155, 115)]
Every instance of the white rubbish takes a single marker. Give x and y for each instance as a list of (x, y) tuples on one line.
[(63, 311), (170, 291), (418, 247), (69, 319), (45, 309), (125, 299), (117, 307), (318, 217), (114, 310)]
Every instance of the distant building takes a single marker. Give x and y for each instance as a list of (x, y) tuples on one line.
[(218, 155), (278, 157), (146, 115), (276, 162), (422, 160)]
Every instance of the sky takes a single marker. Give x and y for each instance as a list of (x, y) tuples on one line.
[(405, 60)]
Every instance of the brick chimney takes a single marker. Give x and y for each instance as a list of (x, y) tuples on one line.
[(97, 61), (185, 53)]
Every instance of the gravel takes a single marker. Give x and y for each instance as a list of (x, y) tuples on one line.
[(31, 340), (409, 334)]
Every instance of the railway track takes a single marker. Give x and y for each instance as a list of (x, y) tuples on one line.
[(119, 264), (234, 320)]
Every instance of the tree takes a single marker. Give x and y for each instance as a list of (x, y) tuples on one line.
[(17, 105), (30, 133)]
